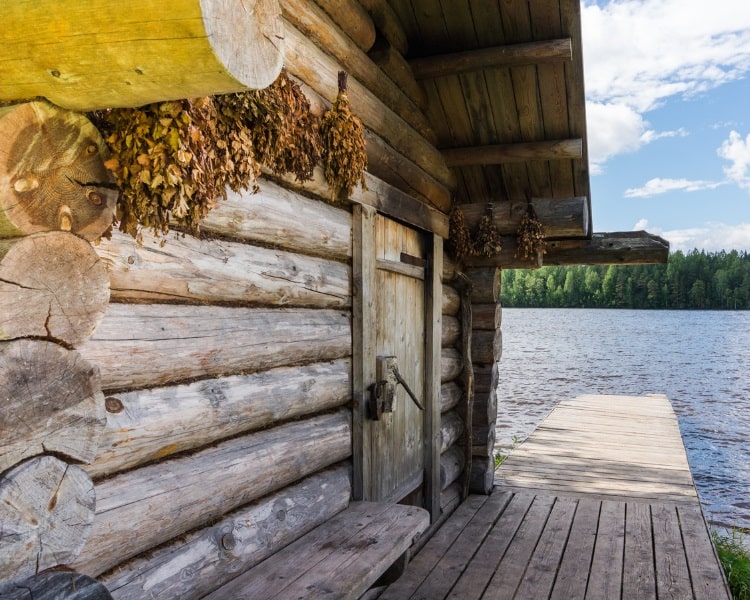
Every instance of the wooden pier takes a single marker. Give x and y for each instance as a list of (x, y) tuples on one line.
[(598, 503)]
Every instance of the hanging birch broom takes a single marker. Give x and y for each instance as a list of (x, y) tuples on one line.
[(487, 240), (531, 244), (344, 159), (459, 239)]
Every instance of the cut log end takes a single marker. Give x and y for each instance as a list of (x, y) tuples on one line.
[(52, 173), (47, 510), (52, 285), (52, 402), (256, 26)]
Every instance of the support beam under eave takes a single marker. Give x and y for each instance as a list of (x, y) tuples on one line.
[(511, 55), (499, 154), (621, 248)]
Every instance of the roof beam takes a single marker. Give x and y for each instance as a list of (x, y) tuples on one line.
[(511, 55), (561, 217), (499, 154), (621, 248)]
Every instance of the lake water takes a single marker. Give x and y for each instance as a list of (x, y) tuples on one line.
[(699, 359)]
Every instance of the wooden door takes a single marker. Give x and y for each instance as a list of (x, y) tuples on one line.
[(396, 312), (397, 450)]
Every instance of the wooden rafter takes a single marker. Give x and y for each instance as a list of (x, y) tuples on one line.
[(513, 153), (511, 55)]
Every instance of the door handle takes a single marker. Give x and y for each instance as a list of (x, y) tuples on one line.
[(383, 391)]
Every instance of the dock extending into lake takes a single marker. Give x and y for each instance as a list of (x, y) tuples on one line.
[(598, 503)]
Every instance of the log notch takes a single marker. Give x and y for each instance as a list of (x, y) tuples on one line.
[(217, 554), (52, 402), (147, 425), (486, 350), (101, 56), (46, 511), (58, 585), (187, 269), (52, 173), (52, 285), (185, 493), (388, 24), (138, 346)]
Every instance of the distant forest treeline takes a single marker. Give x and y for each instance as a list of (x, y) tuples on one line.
[(697, 280)]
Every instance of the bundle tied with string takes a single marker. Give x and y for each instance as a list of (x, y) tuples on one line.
[(531, 244), (345, 157), (459, 239), (487, 240)]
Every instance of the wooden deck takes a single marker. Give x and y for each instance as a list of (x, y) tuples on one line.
[(598, 503)]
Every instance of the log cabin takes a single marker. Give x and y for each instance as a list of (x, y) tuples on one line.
[(188, 416)]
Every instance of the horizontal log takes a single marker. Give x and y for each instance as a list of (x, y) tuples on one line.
[(486, 346), (486, 316), (387, 24), (449, 268), (485, 284), (622, 248), (485, 402), (451, 428), (450, 498), (451, 301), (561, 217), (451, 331), (451, 364), (388, 164), (510, 55), (57, 585), (485, 377), (138, 346), (216, 554), (46, 511), (307, 62), (188, 269), (518, 152), (281, 218), (352, 19), (316, 25), (450, 395), (141, 509), (51, 402), (52, 173), (98, 56), (52, 285), (482, 477), (483, 440), (148, 425), (396, 67), (452, 463)]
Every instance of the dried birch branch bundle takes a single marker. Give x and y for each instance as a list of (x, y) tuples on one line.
[(487, 240), (530, 240), (345, 158), (459, 240)]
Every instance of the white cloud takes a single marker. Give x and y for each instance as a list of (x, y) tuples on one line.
[(737, 151), (641, 225), (659, 185), (640, 53), (711, 237)]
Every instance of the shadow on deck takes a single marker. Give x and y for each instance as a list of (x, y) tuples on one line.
[(598, 503)]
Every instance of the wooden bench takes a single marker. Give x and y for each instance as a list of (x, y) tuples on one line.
[(339, 559)]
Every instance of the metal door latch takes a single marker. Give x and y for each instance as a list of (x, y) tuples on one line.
[(383, 391)]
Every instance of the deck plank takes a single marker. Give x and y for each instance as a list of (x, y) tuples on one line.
[(599, 502)]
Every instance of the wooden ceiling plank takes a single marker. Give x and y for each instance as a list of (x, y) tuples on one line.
[(527, 53), (545, 19), (489, 31)]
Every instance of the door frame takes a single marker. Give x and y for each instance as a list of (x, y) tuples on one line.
[(364, 355)]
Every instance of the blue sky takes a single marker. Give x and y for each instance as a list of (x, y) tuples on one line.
[(668, 110)]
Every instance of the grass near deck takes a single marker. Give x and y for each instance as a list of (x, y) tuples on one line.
[(735, 559)]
